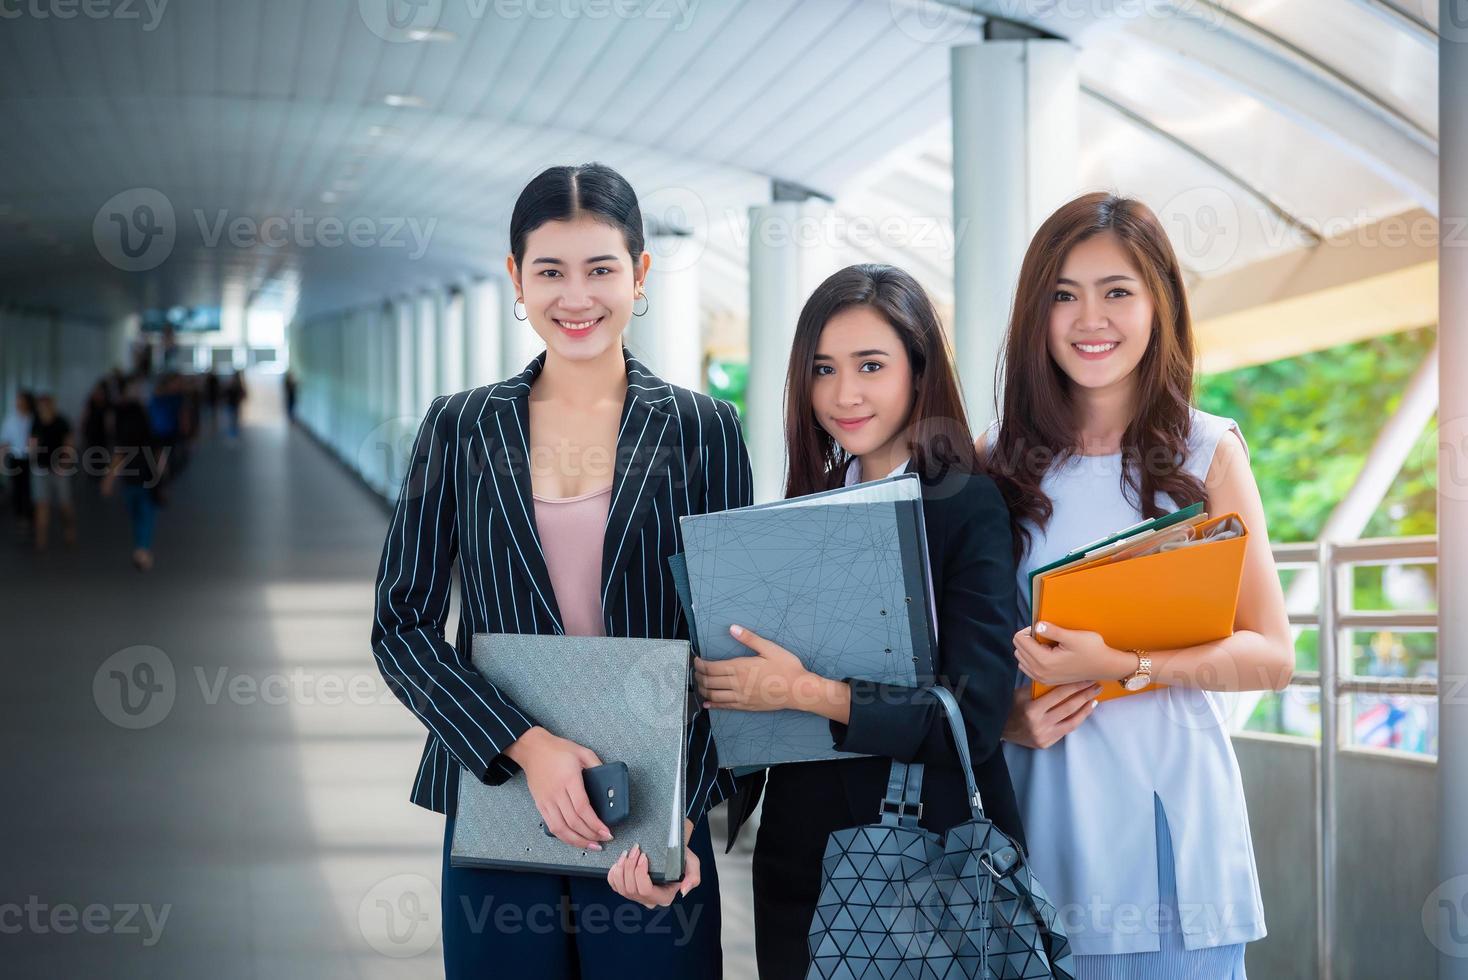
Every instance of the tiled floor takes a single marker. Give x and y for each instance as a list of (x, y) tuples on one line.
[(261, 818)]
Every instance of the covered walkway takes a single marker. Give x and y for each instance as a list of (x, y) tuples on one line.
[(249, 817)]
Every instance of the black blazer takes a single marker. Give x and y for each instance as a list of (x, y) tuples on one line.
[(466, 501), (974, 585)]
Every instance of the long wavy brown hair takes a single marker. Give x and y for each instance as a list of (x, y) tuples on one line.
[(937, 427), (1038, 426)]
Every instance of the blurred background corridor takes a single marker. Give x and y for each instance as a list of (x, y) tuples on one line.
[(256, 238)]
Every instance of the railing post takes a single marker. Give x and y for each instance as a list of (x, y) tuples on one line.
[(1452, 499), (1325, 769)]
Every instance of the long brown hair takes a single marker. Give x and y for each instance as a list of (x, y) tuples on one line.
[(937, 426), (1037, 428)]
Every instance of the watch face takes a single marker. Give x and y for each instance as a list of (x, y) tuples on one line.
[(1135, 683)]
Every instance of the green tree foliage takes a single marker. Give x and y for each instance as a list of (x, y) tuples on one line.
[(1310, 421)]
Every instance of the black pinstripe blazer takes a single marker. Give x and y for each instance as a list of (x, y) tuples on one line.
[(466, 498)]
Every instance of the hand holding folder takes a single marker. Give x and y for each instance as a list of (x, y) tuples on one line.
[(1159, 585), (839, 578)]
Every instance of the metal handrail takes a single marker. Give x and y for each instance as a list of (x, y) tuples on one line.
[(1333, 561), (1424, 619), (1425, 686)]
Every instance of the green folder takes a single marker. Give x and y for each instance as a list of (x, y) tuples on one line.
[(1141, 527)]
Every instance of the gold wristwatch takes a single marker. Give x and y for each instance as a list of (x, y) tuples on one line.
[(1143, 675)]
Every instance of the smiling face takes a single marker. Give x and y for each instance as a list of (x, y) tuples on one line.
[(579, 284), (1101, 319), (862, 391)]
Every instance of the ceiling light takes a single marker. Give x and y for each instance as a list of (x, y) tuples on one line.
[(404, 101), (431, 34)]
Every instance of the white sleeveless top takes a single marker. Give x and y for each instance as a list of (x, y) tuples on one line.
[(1087, 801)]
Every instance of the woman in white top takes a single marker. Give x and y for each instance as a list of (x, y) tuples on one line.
[(1133, 808)]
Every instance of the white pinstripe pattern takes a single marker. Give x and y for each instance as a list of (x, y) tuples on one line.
[(462, 502)]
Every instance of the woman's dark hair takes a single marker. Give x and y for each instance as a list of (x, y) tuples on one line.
[(1037, 428), (591, 190), (937, 427)]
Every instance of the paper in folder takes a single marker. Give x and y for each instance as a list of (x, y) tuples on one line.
[(627, 700), (1158, 585), (839, 578)]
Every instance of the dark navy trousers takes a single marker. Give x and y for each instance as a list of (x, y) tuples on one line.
[(530, 926)]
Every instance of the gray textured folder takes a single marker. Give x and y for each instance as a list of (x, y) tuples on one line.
[(627, 701), (839, 578)]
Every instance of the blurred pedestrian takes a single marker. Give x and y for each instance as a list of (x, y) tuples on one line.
[(53, 462), (15, 437), (290, 397), (211, 400), (234, 397), (96, 424), (138, 463)]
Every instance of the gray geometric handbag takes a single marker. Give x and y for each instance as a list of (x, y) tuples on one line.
[(898, 901)]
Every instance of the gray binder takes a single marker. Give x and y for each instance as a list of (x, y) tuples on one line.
[(839, 578), (625, 699)]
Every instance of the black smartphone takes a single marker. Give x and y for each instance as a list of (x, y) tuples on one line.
[(607, 789)]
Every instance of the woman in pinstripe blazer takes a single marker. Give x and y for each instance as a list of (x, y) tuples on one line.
[(473, 487)]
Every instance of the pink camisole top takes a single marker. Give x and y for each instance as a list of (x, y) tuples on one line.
[(571, 531)]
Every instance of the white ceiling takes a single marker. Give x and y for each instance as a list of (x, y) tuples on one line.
[(1283, 116)]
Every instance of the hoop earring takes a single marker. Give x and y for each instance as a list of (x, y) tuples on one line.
[(515, 310), (645, 308)]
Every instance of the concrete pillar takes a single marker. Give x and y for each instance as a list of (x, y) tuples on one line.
[(425, 340), (484, 313), (789, 256), (449, 334), (669, 338), (1015, 134), (1449, 906), (407, 386)]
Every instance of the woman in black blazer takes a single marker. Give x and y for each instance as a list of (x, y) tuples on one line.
[(484, 463), (871, 392)]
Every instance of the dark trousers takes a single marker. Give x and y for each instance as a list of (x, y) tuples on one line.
[(787, 864), (560, 927), (19, 470)]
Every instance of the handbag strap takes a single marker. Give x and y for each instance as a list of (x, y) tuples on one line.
[(960, 739), (902, 806)]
